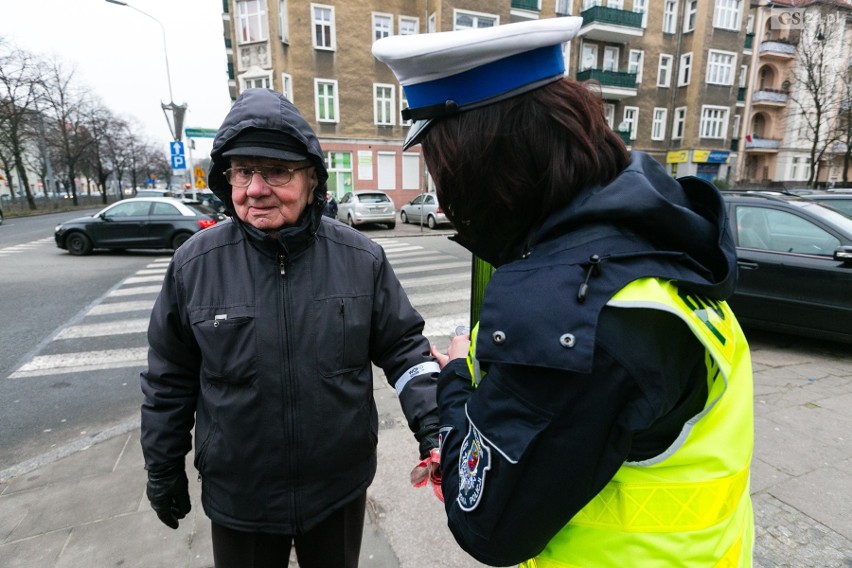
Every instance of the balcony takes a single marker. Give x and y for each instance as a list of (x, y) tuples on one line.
[(615, 85), (610, 24), (777, 49), (749, 41), (762, 145), (530, 5), (625, 136), (770, 97)]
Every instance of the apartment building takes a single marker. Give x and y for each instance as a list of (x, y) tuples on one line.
[(679, 78)]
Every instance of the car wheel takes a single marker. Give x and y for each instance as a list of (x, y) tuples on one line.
[(431, 222), (403, 217), (350, 221), (392, 225), (78, 244), (179, 239)]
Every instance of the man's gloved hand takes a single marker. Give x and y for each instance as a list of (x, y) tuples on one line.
[(168, 492), (427, 435)]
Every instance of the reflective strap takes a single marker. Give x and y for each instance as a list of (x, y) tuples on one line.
[(472, 361), (663, 507), (416, 371)]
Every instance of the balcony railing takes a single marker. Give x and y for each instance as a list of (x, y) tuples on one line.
[(613, 16), (532, 5), (749, 41), (625, 136), (762, 143), (769, 96), (777, 47), (609, 78)]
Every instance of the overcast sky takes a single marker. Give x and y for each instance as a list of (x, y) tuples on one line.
[(118, 54)]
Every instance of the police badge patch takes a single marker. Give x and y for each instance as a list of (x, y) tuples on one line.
[(474, 461)]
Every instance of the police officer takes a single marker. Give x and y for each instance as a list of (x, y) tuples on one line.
[(600, 414)]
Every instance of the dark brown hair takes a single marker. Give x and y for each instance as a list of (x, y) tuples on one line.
[(502, 168)]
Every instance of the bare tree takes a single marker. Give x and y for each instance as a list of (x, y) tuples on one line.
[(815, 79), (103, 126)]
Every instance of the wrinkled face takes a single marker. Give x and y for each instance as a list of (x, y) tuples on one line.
[(270, 208)]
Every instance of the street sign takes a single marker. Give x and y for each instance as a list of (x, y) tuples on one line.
[(178, 160), (200, 132)]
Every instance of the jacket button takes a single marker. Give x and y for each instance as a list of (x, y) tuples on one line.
[(498, 337), (567, 340)]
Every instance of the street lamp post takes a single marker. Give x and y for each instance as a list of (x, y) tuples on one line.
[(178, 111)]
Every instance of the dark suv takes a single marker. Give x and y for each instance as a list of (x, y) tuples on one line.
[(795, 264)]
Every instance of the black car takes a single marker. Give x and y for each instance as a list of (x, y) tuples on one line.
[(138, 223), (795, 265)]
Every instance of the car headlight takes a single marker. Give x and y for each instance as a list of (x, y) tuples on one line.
[(57, 228)]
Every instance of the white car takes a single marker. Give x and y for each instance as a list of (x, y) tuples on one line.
[(423, 209), (366, 207)]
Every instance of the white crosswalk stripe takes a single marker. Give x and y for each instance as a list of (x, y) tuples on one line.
[(24, 247), (435, 281)]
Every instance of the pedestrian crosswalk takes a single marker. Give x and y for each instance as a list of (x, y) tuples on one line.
[(25, 247), (438, 285)]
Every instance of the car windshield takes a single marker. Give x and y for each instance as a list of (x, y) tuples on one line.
[(373, 198)]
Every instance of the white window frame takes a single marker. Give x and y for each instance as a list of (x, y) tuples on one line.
[(590, 4), (318, 24), (432, 23), (635, 65), (658, 126), (750, 25), (679, 123), (588, 49), (690, 15), (563, 7), (321, 100), (615, 4), (411, 171), (382, 25), (476, 16), (283, 23), (287, 86), (609, 114), (670, 16), (720, 67), (403, 104), (664, 70), (407, 23), (726, 14), (641, 7), (743, 80), (684, 71), (735, 127), (714, 122), (252, 17), (263, 81), (609, 58), (633, 121), (384, 107)]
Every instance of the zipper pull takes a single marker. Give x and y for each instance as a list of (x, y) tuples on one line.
[(282, 264)]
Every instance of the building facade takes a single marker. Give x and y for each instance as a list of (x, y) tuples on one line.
[(697, 85)]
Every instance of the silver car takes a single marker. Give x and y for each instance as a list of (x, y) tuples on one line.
[(423, 209), (366, 207)]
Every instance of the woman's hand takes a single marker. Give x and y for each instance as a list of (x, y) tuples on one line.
[(459, 346)]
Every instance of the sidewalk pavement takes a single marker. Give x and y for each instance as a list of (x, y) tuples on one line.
[(88, 509)]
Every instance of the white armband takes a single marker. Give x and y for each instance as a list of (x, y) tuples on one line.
[(415, 371)]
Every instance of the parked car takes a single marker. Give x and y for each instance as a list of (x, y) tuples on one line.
[(423, 209), (366, 207), (138, 222), (795, 265), (204, 207), (838, 199), (153, 193)]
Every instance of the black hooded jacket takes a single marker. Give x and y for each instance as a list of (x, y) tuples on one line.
[(558, 417), (265, 345)]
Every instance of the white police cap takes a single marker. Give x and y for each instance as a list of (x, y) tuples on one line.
[(449, 72)]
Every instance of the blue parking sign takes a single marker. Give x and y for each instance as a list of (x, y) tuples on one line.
[(178, 160)]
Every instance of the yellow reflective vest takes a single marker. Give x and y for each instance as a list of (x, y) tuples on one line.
[(689, 506)]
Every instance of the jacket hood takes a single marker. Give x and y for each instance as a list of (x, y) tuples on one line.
[(686, 217), (264, 109)]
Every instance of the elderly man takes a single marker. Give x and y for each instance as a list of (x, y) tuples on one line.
[(263, 337)]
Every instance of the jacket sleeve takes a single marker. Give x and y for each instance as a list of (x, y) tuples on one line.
[(398, 346), (529, 447), (170, 385)]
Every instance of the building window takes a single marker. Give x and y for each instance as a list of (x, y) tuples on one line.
[(634, 63), (283, 26), (563, 7), (403, 104), (720, 67), (658, 127), (690, 12), (735, 128), (384, 105), (339, 166), (685, 69), (408, 26), (591, 4), (750, 24), (257, 82), (743, 76), (432, 23), (610, 58), (325, 95), (616, 4), (679, 123), (664, 70), (670, 17), (641, 7), (727, 14), (589, 58), (382, 26), (287, 86), (410, 170), (609, 114), (252, 21), (468, 20), (322, 22), (631, 121), (714, 122)]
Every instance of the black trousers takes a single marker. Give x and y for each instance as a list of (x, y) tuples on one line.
[(335, 542)]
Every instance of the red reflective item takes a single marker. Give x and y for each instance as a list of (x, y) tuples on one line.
[(204, 223), (429, 470)]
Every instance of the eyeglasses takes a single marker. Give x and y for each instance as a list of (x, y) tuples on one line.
[(272, 175)]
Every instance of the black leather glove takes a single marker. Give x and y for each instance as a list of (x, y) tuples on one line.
[(427, 435), (168, 492)]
